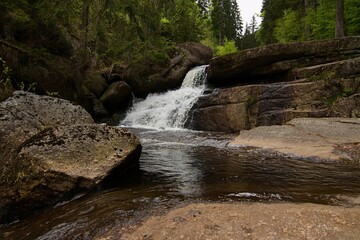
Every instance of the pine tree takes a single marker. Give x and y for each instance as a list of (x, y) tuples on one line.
[(226, 20), (273, 10), (248, 40)]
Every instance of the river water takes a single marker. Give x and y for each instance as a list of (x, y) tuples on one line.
[(179, 166)]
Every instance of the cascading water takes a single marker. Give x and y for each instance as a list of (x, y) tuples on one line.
[(168, 110)]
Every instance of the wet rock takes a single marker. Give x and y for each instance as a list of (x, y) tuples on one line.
[(116, 73), (96, 84), (325, 138), (116, 96), (148, 75), (248, 221), (244, 107), (51, 150)]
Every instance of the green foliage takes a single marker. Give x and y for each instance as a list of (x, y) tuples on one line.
[(248, 40), (289, 20), (95, 33), (348, 92), (290, 27), (226, 20), (53, 94), (323, 76), (227, 48), (272, 11), (322, 20), (183, 23), (352, 17), (4, 73)]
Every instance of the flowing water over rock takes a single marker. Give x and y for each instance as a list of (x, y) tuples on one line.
[(181, 166), (168, 110)]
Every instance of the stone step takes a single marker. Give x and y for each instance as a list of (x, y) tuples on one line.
[(328, 71)]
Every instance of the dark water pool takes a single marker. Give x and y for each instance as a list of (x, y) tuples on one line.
[(178, 167)]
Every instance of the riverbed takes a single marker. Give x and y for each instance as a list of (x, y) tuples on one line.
[(178, 167)]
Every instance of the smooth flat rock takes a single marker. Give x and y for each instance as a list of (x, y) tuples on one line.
[(325, 138), (249, 221)]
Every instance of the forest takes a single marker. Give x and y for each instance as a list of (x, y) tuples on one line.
[(97, 33)]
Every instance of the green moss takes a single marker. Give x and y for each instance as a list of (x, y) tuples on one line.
[(323, 76), (4, 73), (330, 100), (348, 92)]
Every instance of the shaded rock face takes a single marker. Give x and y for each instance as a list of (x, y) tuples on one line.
[(6, 91), (244, 107), (51, 150), (96, 84), (146, 76), (53, 74), (115, 96), (277, 62)]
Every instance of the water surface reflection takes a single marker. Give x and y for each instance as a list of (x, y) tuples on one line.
[(179, 167)]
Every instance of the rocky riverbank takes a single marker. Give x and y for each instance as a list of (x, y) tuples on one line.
[(247, 221), (270, 85), (324, 138)]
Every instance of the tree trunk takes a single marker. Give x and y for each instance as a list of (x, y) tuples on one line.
[(339, 31), (307, 25), (85, 24)]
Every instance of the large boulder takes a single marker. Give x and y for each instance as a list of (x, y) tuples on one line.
[(244, 107), (25, 114), (59, 162), (274, 62), (96, 84), (51, 150), (116, 96), (148, 76)]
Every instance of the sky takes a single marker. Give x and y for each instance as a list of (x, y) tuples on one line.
[(248, 8)]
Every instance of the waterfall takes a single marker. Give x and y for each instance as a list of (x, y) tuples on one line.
[(170, 109)]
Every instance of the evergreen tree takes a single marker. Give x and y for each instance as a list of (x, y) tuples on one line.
[(226, 20), (204, 6), (248, 40), (273, 10), (313, 19)]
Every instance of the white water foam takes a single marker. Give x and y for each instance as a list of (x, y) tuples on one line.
[(168, 110)]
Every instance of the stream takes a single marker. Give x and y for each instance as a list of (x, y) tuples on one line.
[(179, 166)]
